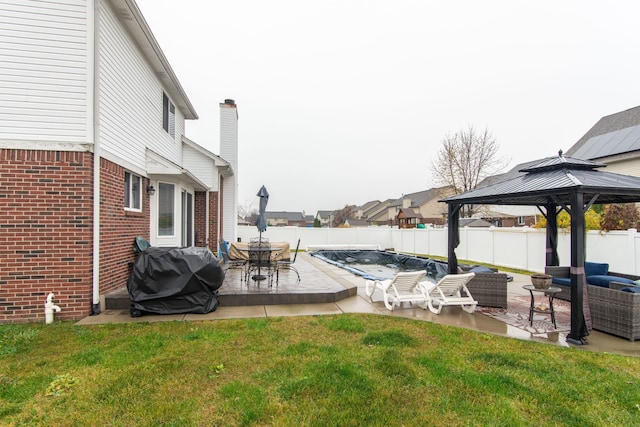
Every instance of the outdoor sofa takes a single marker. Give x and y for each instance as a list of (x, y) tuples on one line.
[(615, 309)]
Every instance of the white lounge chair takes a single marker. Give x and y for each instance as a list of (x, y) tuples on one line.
[(450, 290), (405, 287)]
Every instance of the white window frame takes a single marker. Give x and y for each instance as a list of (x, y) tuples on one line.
[(168, 115), (521, 220), (162, 197), (131, 193)]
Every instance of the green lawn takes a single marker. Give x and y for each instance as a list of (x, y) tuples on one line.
[(345, 370)]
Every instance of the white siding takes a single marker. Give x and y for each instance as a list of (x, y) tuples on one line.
[(130, 98), (44, 72), (624, 167), (229, 152), (201, 166)]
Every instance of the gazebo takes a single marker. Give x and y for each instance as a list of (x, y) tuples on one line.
[(553, 184)]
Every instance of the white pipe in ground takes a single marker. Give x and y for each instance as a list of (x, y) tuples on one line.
[(49, 308)]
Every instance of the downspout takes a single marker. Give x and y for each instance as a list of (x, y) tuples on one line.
[(92, 60), (219, 210), (207, 216)]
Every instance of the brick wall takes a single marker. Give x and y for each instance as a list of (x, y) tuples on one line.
[(45, 233), (200, 213), (118, 227)]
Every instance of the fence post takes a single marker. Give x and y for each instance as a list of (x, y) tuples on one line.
[(631, 250)]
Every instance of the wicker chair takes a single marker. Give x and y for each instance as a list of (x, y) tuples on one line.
[(489, 289), (614, 311)]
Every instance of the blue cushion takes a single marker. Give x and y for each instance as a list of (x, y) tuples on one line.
[(603, 280), (632, 289), (565, 281), (595, 269)]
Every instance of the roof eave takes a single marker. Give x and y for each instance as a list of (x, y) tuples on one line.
[(131, 17)]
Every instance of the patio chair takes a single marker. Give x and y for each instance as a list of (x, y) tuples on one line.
[(404, 287), (287, 264), (450, 290), (231, 263), (140, 244), (260, 263)]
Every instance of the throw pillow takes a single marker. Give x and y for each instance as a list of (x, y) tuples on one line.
[(596, 269)]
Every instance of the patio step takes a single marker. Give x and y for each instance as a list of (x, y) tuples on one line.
[(265, 295)]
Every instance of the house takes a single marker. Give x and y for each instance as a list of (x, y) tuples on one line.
[(360, 211), (276, 219), (615, 141), (325, 218), (93, 154), (424, 203), (504, 215), (354, 222), (474, 222), (508, 216), (408, 218)]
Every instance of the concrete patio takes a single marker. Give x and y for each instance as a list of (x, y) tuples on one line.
[(339, 291)]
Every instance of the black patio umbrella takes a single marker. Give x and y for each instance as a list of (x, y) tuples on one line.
[(261, 221)]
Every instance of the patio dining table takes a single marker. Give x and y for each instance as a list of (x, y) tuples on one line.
[(279, 251)]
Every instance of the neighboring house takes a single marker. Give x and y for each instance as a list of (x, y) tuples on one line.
[(615, 141), (325, 218), (308, 220), (508, 216), (425, 203), (359, 212), (408, 218), (504, 215), (474, 222), (378, 214), (354, 222), (93, 154), (275, 219)]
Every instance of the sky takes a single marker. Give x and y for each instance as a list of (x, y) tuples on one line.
[(342, 102)]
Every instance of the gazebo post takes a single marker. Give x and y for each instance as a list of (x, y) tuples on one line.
[(453, 228), (579, 329), (552, 235)]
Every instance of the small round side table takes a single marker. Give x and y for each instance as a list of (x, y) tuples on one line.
[(550, 293)]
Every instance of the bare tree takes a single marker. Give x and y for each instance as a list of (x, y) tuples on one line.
[(465, 159)]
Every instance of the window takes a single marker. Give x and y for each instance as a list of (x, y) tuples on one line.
[(132, 189), (166, 216), (521, 220), (168, 116), (187, 218)]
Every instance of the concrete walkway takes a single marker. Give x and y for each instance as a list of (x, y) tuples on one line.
[(318, 272)]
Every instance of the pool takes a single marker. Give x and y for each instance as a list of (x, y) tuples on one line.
[(377, 264)]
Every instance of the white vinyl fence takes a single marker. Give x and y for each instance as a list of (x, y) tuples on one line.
[(517, 247)]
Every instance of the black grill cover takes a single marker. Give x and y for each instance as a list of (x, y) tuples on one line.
[(174, 281)]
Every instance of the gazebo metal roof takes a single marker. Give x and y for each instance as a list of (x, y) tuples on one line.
[(551, 183), (554, 179)]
